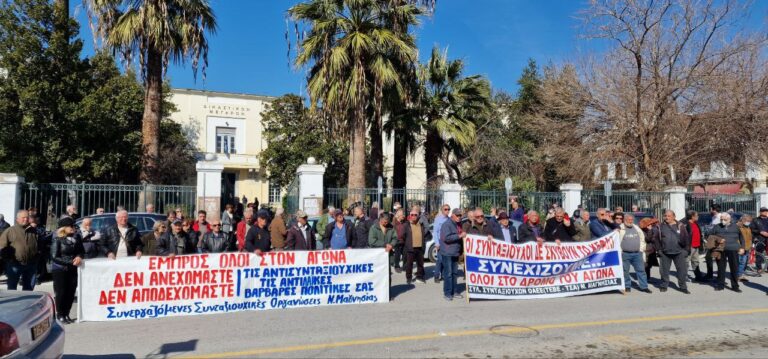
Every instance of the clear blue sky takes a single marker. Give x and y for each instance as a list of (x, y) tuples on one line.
[(495, 38)]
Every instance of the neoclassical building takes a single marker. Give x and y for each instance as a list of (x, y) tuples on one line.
[(227, 128)]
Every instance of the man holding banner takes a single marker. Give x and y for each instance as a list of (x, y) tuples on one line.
[(451, 235)]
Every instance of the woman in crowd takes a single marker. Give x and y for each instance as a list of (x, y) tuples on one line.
[(150, 239), (67, 253), (650, 226)]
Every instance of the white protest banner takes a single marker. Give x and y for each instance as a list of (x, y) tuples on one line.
[(500, 270), (153, 287)]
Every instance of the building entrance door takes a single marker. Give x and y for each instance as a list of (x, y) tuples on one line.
[(227, 188)]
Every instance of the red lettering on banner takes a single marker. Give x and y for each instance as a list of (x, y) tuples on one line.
[(112, 297), (469, 242), (311, 258), (230, 260), (129, 279), (278, 258)]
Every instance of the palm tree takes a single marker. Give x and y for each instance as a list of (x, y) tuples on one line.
[(158, 31), (354, 53), (450, 105)]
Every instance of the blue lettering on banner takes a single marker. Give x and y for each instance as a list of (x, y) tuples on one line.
[(238, 282), (538, 270)]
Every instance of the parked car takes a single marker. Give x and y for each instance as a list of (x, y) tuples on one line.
[(28, 326), (142, 221)]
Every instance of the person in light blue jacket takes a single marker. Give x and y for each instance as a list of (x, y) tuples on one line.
[(439, 220)]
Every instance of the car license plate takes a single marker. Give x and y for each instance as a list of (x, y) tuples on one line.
[(41, 328)]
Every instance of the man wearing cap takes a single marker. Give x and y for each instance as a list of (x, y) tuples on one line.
[(414, 247), (761, 238), (175, 242), (338, 235), (18, 247), (451, 236), (505, 231), (301, 237), (258, 239)]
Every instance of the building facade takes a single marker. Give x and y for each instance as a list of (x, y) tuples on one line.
[(227, 129)]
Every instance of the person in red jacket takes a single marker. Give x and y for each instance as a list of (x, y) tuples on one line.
[(202, 220), (242, 228)]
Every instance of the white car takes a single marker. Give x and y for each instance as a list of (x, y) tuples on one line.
[(28, 326)]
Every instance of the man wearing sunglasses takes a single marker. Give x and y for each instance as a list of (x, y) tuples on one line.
[(414, 248), (441, 218), (216, 241)]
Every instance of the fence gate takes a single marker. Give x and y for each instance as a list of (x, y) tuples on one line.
[(741, 203), (348, 198), (538, 201), (291, 199), (55, 197), (646, 202)]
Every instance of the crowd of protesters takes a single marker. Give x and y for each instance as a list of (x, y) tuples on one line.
[(737, 246)]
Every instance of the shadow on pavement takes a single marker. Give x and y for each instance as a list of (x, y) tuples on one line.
[(169, 348), (105, 356), (757, 286)]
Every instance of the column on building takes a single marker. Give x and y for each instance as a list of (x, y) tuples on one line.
[(209, 185)]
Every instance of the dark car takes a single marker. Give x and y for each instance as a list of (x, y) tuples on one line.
[(142, 221), (705, 220)]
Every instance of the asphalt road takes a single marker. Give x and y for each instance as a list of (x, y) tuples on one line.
[(419, 323)]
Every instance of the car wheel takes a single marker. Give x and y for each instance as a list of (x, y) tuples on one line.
[(433, 253)]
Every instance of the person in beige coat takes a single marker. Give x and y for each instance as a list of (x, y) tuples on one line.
[(278, 230)]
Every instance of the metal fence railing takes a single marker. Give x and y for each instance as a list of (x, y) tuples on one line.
[(741, 203), (539, 201), (55, 197), (629, 201), (348, 198), (291, 200)]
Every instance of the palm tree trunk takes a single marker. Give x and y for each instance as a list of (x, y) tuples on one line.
[(150, 125), (432, 150), (400, 161), (377, 149), (357, 158)]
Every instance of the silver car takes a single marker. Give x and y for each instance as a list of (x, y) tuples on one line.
[(28, 326)]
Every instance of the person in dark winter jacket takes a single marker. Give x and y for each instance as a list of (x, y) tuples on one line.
[(67, 253), (477, 225), (258, 240), (401, 228), (734, 246), (559, 228), (675, 245), (531, 230), (90, 238), (301, 236), (451, 237), (149, 240), (506, 230), (216, 241), (602, 225), (122, 239), (361, 227), (176, 242)]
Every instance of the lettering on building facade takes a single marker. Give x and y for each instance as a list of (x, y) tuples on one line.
[(226, 110)]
